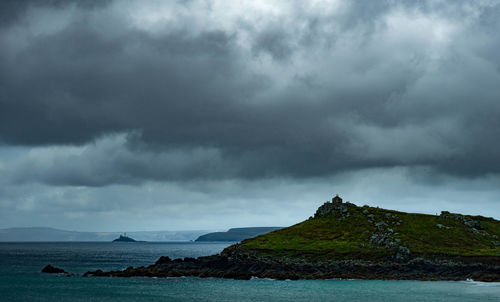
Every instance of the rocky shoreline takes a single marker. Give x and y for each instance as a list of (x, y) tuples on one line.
[(234, 263)]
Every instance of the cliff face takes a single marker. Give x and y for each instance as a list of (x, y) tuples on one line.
[(347, 241)]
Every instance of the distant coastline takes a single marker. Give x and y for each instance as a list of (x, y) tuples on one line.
[(41, 234), (237, 234)]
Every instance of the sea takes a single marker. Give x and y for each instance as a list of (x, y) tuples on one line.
[(21, 279)]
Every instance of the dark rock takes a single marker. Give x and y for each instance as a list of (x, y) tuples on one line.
[(474, 224), (163, 259), (49, 269), (403, 253)]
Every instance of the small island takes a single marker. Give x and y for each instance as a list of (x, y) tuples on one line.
[(124, 238), (49, 269), (343, 240)]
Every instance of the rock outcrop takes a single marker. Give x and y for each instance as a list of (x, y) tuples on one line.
[(49, 269), (334, 208)]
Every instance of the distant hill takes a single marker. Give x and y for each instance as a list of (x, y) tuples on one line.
[(51, 234), (237, 234)]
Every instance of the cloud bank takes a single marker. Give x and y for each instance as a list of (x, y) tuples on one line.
[(98, 95)]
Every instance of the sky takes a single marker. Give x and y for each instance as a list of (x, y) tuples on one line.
[(206, 114)]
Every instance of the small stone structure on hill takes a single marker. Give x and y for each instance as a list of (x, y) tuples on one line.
[(336, 207), (336, 199)]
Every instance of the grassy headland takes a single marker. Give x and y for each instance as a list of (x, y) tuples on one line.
[(345, 231)]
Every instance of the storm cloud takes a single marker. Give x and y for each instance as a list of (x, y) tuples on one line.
[(125, 93)]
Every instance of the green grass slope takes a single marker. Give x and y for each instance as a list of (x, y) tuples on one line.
[(345, 231)]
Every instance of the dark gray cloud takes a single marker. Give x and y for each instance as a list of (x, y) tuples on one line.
[(12, 11), (184, 91)]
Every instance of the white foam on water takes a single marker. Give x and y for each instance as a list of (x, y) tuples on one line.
[(480, 283)]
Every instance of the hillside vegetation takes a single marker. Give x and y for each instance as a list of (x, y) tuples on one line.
[(345, 231)]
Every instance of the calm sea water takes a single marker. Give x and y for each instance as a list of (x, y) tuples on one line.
[(21, 280)]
